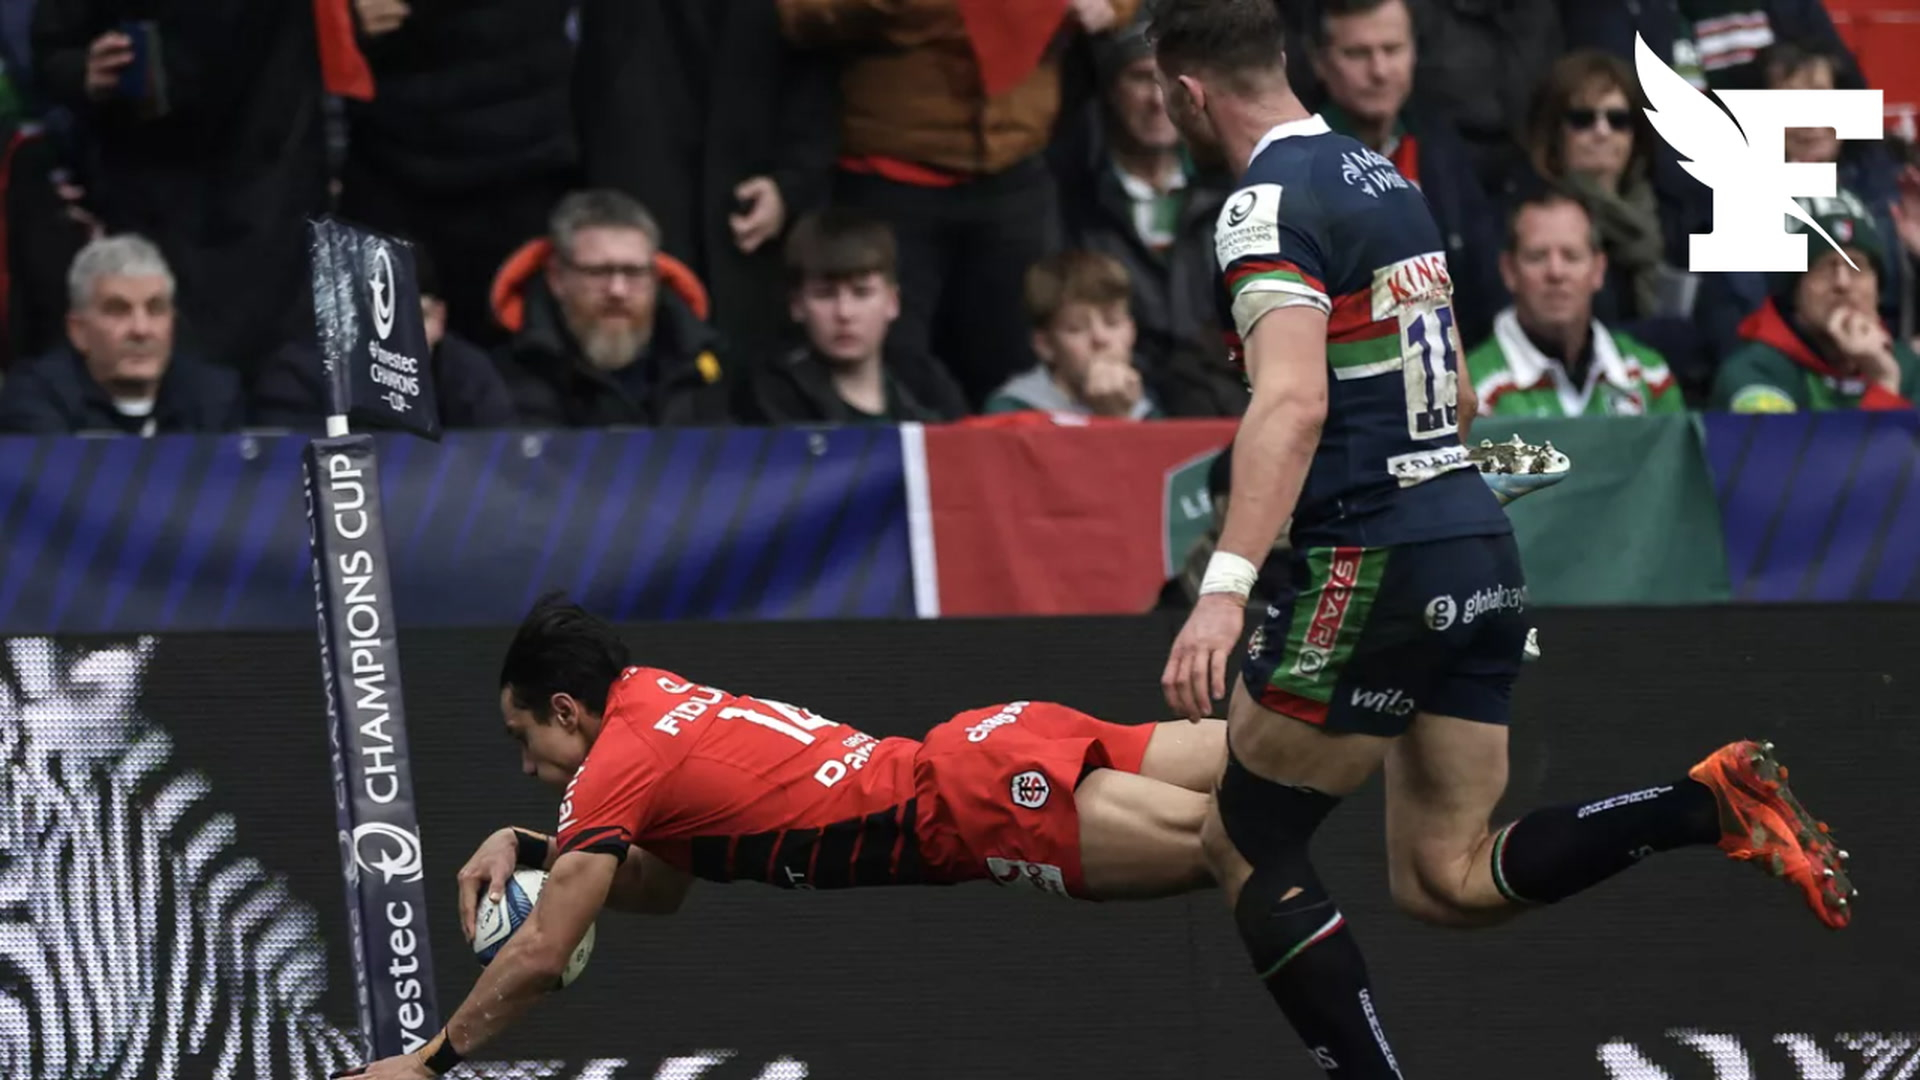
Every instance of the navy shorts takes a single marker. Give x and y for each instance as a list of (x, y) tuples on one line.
[(1368, 636)]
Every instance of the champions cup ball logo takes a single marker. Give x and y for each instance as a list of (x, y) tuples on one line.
[(396, 855), (1742, 157), (1241, 207), (380, 280)]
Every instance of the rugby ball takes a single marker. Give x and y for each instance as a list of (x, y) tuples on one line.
[(499, 920)]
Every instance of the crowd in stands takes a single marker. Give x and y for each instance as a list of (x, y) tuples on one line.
[(690, 212)]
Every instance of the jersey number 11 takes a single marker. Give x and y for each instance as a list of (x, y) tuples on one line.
[(1429, 363)]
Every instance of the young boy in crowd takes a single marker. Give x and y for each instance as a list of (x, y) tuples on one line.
[(845, 295), (1084, 336)]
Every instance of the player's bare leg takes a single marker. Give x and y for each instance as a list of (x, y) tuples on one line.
[(1444, 777), (1449, 867), (1281, 779), (1185, 754), (1140, 837)]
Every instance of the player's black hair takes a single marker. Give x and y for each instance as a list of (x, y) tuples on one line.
[(1549, 194), (1229, 38), (1330, 9), (561, 648)]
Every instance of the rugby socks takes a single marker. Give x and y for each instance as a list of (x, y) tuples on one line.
[(1319, 979), (1553, 853), (1295, 935)]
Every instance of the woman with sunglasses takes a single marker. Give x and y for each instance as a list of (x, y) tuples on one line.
[(1588, 132)]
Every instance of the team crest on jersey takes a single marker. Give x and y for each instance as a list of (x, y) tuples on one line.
[(1030, 789)]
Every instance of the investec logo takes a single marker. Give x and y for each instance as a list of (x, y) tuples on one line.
[(1329, 613)]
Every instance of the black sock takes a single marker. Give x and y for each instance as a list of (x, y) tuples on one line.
[(1552, 853), (1312, 968), (1299, 942)]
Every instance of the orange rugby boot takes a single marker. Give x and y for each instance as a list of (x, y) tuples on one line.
[(1762, 822)]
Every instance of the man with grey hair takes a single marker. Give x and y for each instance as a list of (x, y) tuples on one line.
[(607, 330), (119, 371)]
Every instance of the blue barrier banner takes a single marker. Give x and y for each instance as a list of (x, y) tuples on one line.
[(1819, 506), (210, 532)]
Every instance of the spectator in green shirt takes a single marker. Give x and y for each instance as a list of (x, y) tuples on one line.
[(1818, 343), (1548, 355)]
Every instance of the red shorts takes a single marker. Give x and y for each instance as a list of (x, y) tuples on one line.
[(998, 788)]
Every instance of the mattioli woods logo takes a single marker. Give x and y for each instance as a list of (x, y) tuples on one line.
[(1743, 158)]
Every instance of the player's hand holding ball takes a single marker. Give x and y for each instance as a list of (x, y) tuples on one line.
[(500, 919), (485, 875)]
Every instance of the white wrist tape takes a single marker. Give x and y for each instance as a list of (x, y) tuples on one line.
[(1229, 573)]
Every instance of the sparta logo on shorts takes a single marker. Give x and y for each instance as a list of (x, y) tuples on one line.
[(1030, 789)]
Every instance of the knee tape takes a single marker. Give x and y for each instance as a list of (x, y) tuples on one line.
[(1283, 908), (1267, 820)]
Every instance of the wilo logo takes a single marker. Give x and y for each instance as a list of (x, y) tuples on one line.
[(1743, 159)]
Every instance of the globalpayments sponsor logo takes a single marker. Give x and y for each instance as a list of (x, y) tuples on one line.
[(1498, 598), (1869, 1056)]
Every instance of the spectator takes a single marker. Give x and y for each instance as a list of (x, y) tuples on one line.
[(469, 139), (290, 389), (946, 107), (1549, 356), (597, 340), (1589, 132), (1864, 173), (1480, 61), (702, 112), (218, 155), (1363, 56), (845, 294), (120, 373), (1713, 43), (1138, 197), (1817, 344), (1084, 335)]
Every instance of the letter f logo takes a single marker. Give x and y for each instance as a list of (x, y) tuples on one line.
[(1743, 159)]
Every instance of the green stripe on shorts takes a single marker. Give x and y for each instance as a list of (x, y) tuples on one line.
[(1328, 618)]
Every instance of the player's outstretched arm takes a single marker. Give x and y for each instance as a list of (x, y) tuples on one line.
[(1287, 364), (647, 885), (528, 967)]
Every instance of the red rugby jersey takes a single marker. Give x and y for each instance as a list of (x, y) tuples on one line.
[(734, 788)]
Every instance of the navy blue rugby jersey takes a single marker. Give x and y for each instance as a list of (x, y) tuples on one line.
[(1320, 219)]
